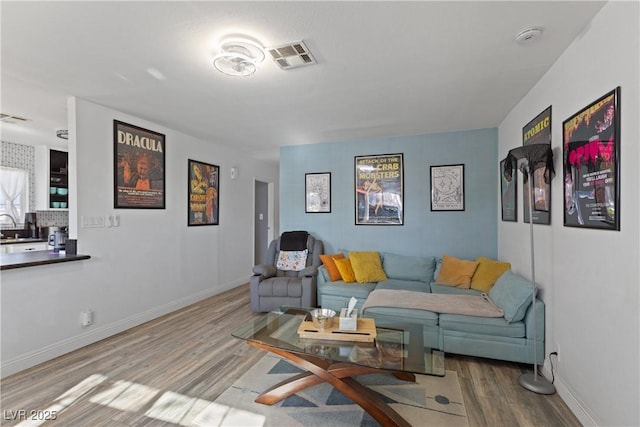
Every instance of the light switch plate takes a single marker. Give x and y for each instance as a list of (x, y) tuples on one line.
[(92, 221)]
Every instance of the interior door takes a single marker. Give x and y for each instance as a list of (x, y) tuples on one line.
[(261, 219)]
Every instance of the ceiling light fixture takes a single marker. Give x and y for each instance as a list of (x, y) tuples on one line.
[(238, 57)]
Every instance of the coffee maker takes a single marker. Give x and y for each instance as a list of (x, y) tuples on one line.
[(30, 225), (57, 238)]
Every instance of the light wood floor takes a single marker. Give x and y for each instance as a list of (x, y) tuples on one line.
[(173, 366)]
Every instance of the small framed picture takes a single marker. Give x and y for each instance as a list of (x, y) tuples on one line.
[(447, 188), (317, 188), (203, 206)]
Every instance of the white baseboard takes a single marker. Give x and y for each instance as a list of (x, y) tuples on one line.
[(569, 399), (59, 348)]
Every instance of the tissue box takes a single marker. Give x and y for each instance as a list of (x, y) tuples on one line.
[(348, 323)]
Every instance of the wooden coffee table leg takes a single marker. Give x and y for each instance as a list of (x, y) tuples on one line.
[(405, 376), (340, 377), (289, 387)]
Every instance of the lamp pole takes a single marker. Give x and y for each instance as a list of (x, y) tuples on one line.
[(533, 382)]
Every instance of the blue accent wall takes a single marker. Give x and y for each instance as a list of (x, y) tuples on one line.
[(466, 234)]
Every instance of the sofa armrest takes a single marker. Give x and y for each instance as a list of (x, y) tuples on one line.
[(323, 275), (310, 271), (265, 270), (309, 291), (540, 321)]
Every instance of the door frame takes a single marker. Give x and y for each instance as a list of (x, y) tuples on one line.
[(271, 231)]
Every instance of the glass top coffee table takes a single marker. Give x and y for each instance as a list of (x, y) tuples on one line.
[(397, 349)]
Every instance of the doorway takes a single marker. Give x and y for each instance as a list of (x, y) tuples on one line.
[(263, 220)]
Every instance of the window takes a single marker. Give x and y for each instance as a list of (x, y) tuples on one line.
[(14, 194)]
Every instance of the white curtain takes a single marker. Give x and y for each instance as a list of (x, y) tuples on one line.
[(13, 185)]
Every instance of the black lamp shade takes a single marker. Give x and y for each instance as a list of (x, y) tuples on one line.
[(537, 155)]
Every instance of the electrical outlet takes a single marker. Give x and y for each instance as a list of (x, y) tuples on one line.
[(86, 317)]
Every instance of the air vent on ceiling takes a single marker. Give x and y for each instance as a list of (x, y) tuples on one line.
[(292, 55), (8, 118)]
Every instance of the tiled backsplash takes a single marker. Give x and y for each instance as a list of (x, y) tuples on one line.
[(23, 157), (52, 218)]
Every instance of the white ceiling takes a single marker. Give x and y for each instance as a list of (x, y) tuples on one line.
[(384, 68)]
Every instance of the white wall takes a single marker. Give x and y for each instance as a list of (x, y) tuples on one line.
[(589, 277), (151, 265)]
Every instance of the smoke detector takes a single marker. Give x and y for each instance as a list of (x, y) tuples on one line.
[(529, 35), (62, 133), (291, 55)]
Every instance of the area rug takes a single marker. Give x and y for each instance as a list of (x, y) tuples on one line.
[(435, 401)]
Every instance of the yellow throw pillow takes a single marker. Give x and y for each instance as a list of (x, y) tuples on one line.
[(367, 267), (456, 272), (344, 267), (487, 273), (330, 265)]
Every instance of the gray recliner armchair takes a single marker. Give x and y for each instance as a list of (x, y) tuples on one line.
[(272, 288)]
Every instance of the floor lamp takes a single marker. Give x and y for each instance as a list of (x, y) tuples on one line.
[(531, 158)]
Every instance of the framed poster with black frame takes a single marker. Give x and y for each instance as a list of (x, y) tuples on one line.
[(447, 188), (379, 189), (509, 192), (203, 206), (538, 131), (139, 159), (317, 188), (591, 165)]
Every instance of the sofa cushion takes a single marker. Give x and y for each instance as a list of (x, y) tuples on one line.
[(438, 267), (487, 273), (445, 289), (405, 285), (361, 290), (281, 287), (346, 271), (513, 294), (456, 272), (401, 315), (367, 267), (408, 267), (496, 326), (330, 265)]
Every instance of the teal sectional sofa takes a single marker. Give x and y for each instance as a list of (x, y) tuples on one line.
[(505, 338)]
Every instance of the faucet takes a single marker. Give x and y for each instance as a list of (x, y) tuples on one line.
[(12, 220)]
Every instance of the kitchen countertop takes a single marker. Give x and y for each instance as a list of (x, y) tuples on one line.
[(11, 241), (35, 258)]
